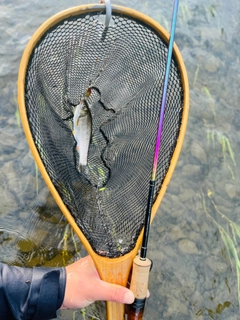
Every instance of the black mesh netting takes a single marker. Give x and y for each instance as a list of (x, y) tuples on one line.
[(125, 67)]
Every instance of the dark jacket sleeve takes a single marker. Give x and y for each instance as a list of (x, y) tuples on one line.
[(31, 293)]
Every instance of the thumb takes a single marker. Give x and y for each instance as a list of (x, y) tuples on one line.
[(112, 292)]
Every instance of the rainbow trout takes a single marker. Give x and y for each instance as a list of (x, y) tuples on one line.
[(82, 129)]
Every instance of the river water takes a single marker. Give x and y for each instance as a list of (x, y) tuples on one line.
[(195, 235)]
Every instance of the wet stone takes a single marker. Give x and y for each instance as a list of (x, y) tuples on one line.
[(186, 195), (24, 214), (8, 139), (196, 298), (27, 161), (191, 170), (175, 213), (232, 190), (9, 197), (187, 247), (26, 245), (176, 308), (213, 63), (195, 238), (222, 200), (216, 264), (176, 234), (169, 207), (161, 229), (157, 255), (198, 152), (170, 252)]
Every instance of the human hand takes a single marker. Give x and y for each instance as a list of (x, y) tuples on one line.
[(84, 286)]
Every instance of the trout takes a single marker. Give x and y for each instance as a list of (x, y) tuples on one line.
[(82, 126)]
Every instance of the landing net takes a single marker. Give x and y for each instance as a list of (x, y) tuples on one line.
[(125, 66)]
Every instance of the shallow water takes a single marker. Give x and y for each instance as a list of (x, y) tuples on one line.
[(193, 277)]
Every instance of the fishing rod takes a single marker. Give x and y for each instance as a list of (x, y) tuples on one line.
[(141, 264)]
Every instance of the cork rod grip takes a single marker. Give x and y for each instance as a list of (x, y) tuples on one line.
[(140, 275), (139, 286)]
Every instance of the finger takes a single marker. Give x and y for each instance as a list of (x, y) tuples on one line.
[(148, 294), (112, 292)]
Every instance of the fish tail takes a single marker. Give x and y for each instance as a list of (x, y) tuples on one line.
[(83, 168)]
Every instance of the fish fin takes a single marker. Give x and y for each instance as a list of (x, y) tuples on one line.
[(81, 167)]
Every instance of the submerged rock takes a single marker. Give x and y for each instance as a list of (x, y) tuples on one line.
[(176, 234), (231, 190), (176, 308), (198, 153), (187, 247)]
